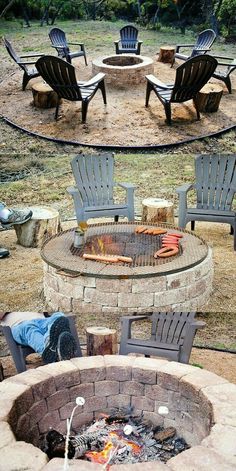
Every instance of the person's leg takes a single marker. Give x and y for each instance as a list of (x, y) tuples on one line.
[(30, 334), (58, 338), (10, 217)]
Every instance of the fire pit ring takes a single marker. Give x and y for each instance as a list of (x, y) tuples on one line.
[(124, 69), (182, 282), (201, 407)]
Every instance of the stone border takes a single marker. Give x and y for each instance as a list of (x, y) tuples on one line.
[(198, 401), (124, 75), (184, 291)]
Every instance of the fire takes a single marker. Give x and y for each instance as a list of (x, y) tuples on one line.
[(101, 457)]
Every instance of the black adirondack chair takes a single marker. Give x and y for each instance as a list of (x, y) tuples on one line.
[(190, 78), (215, 188), (224, 74), (128, 42), (202, 45), (20, 353), (93, 194), (29, 72), (172, 335), (59, 42), (61, 77)]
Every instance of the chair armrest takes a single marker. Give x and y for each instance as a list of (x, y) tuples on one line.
[(32, 55), (222, 57), (26, 62), (198, 324), (178, 46), (131, 319), (127, 185), (185, 188), (76, 44), (117, 41), (72, 190), (140, 42), (152, 79), (93, 81), (59, 47)]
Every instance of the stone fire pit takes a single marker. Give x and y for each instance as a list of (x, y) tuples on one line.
[(202, 407), (124, 69), (180, 283)]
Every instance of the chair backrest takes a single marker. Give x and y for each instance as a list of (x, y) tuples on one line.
[(94, 178), (204, 41), (191, 76), (58, 37), (170, 327), (215, 181), (12, 52), (129, 34), (60, 75)]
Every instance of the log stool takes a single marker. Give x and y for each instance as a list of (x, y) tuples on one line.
[(157, 210), (167, 54), (208, 99), (101, 341), (44, 96), (44, 223)]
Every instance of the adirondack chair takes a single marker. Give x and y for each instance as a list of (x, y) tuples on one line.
[(59, 42), (202, 45), (29, 72), (19, 352), (215, 188), (61, 77), (93, 194), (190, 78), (224, 75), (128, 42), (172, 335)]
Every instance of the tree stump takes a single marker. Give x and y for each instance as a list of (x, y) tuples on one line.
[(101, 341), (45, 223), (208, 99), (44, 96), (167, 54), (156, 210)]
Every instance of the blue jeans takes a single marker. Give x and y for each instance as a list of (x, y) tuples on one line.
[(34, 333)]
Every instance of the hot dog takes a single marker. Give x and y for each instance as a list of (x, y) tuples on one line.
[(124, 259), (166, 252), (101, 258)]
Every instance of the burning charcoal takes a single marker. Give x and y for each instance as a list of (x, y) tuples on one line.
[(168, 432)]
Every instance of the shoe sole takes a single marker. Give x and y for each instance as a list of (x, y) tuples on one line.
[(60, 325), (66, 346), (9, 225)]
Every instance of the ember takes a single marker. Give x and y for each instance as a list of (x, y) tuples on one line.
[(106, 441)]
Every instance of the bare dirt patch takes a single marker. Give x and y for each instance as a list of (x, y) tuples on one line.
[(123, 122)]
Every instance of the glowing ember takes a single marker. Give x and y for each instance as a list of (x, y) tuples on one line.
[(116, 441)]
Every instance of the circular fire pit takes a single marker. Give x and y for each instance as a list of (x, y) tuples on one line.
[(71, 283), (200, 406), (124, 69)]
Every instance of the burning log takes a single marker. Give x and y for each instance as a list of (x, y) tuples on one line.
[(55, 442), (163, 435)]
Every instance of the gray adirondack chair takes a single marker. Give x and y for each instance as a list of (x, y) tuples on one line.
[(190, 78), (223, 74), (215, 188), (203, 44), (19, 352), (93, 194), (59, 42), (25, 63), (172, 335), (128, 42)]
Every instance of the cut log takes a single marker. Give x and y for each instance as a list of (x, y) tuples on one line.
[(44, 96), (167, 54), (45, 223), (101, 341), (168, 432), (156, 210), (208, 99)]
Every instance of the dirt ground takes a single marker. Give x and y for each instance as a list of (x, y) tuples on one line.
[(124, 121)]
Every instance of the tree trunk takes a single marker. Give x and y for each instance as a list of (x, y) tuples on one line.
[(44, 96), (167, 54), (208, 99), (101, 341), (45, 223), (156, 210)]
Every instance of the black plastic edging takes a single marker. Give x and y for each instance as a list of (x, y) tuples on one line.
[(214, 349), (116, 147)]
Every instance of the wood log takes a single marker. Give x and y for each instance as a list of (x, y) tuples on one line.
[(44, 96), (44, 223), (166, 54), (156, 210), (208, 99), (168, 432), (101, 341)]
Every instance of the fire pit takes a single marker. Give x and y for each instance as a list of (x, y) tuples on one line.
[(201, 408), (72, 283), (124, 69)]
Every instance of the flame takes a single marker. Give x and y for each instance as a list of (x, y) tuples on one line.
[(101, 457)]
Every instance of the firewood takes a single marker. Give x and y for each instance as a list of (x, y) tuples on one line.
[(168, 432), (101, 341), (44, 96)]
